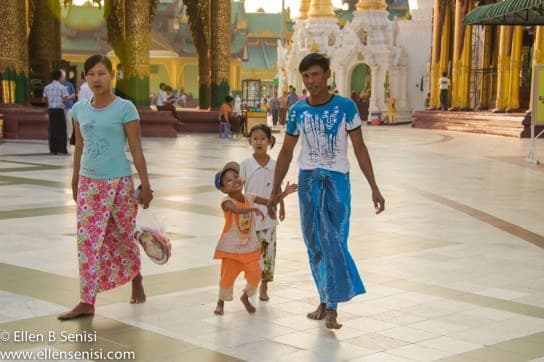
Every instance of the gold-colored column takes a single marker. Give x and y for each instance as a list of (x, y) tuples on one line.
[(538, 54), (445, 46), (371, 5), (486, 63), (220, 50), (466, 64), (503, 69), (44, 38), (456, 77), (434, 101), (515, 64)]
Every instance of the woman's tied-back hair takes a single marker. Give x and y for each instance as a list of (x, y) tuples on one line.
[(314, 59), (267, 131), (94, 60)]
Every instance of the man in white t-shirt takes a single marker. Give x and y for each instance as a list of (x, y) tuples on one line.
[(444, 84), (324, 123)]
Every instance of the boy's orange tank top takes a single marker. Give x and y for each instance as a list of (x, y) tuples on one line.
[(238, 240)]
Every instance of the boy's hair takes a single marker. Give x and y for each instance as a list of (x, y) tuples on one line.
[(263, 127), (314, 59), (218, 180), (444, 74), (228, 99)]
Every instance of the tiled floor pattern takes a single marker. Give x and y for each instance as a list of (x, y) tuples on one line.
[(453, 268)]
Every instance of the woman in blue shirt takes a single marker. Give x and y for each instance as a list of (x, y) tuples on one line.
[(103, 189)]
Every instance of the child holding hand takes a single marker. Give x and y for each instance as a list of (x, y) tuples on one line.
[(238, 247)]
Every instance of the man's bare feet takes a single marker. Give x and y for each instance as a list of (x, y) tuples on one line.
[(263, 295), (138, 294), (80, 310), (330, 319), (219, 309), (245, 300), (319, 313)]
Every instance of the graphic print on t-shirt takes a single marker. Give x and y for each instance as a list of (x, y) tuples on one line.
[(321, 131)]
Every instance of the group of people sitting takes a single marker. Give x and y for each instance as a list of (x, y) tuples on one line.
[(166, 100)]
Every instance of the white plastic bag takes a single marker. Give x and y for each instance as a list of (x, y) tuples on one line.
[(151, 235)]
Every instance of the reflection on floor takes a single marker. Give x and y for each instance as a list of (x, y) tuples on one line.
[(454, 268)]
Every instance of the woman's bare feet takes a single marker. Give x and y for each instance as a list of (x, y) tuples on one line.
[(319, 313), (138, 294), (80, 310), (245, 300), (263, 295), (330, 319), (219, 309)]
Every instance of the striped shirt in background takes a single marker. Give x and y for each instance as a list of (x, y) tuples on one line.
[(55, 93)]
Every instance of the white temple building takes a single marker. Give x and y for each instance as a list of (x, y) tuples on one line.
[(386, 62)]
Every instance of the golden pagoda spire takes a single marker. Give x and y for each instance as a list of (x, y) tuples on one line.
[(303, 9), (371, 5), (321, 9)]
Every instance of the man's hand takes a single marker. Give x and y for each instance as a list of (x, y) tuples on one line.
[(379, 201)]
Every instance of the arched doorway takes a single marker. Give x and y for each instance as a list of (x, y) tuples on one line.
[(361, 85)]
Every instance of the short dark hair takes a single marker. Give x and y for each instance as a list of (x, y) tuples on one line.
[(444, 74), (314, 59), (228, 99), (94, 60), (56, 74)]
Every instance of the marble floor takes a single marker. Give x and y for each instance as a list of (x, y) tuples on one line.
[(454, 268)]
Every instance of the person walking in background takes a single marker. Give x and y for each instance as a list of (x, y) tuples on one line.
[(282, 110), (68, 105), (85, 91), (303, 96), (324, 123), (292, 98), (56, 95), (103, 189), (257, 172), (274, 108), (444, 84)]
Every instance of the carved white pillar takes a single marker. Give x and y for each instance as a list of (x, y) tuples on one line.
[(403, 88), (341, 81), (373, 102)]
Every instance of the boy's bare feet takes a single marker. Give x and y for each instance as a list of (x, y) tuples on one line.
[(219, 309), (138, 294), (330, 319), (263, 295), (245, 300), (80, 310), (319, 313)]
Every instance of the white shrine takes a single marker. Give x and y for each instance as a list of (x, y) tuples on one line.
[(387, 59)]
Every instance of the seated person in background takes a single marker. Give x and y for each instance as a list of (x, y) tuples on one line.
[(164, 100)]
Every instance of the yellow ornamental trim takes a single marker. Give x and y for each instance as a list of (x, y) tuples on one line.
[(371, 5)]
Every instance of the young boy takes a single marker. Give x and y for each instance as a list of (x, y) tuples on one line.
[(238, 247)]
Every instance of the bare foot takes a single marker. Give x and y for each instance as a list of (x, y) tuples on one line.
[(138, 294), (219, 309), (330, 319), (245, 300), (263, 295), (317, 314), (80, 310)]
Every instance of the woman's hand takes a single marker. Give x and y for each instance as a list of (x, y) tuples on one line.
[(74, 192), (145, 196)]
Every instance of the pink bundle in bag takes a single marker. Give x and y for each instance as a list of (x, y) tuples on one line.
[(155, 244)]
